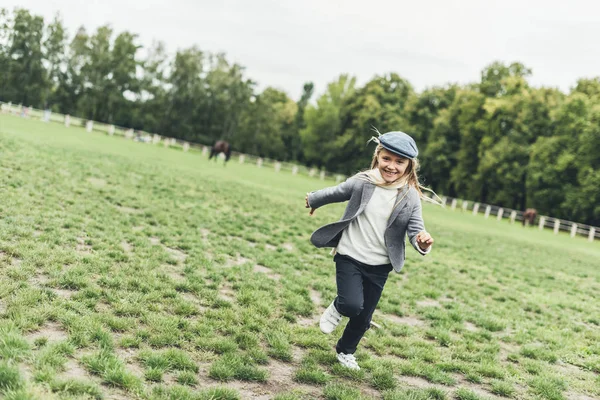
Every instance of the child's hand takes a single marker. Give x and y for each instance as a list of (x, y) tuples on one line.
[(424, 240), (312, 210)]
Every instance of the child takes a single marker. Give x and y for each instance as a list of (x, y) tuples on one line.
[(384, 206)]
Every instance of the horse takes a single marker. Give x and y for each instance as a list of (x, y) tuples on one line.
[(529, 216), (220, 146)]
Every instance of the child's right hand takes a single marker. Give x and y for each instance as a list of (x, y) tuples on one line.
[(312, 210)]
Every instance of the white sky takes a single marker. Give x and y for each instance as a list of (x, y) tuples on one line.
[(285, 43)]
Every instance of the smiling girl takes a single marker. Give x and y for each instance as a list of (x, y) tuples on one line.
[(383, 207)]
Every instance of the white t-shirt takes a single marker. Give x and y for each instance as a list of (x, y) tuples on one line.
[(364, 239)]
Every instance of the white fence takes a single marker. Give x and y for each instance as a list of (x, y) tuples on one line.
[(497, 212), (153, 138), (542, 221)]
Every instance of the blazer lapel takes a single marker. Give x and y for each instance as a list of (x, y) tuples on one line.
[(403, 197), (367, 193)]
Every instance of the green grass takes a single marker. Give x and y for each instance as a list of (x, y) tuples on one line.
[(134, 270)]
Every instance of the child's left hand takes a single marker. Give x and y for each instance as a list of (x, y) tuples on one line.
[(424, 240)]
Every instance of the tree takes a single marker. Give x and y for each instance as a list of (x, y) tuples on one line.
[(26, 77), (323, 123)]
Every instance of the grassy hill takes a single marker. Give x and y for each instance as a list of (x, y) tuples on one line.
[(130, 270)]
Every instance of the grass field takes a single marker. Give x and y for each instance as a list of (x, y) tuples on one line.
[(129, 270)]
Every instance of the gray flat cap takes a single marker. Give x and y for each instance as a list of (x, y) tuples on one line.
[(399, 143)]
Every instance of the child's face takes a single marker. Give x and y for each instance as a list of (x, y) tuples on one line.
[(391, 165)]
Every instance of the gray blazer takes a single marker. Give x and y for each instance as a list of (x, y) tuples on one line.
[(405, 219)]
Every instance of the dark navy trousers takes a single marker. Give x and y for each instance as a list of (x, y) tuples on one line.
[(359, 288)]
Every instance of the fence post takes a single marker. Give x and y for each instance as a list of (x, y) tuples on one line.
[(186, 146), (465, 205), (111, 130), (89, 126), (204, 150), (513, 216), (294, 170), (444, 200), (242, 158), (259, 162), (67, 120), (487, 211), (311, 173), (338, 178), (277, 166), (573, 230), (475, 208), (556, 226), (500, 213), (322, 175), (453, 204), (542, 222), (592, 234)]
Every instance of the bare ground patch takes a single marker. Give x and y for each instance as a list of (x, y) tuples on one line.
[(316, 298), (265, 270), (428, 303), (239, 260), (227, 293), (126, 246), (97, 182), (64, 293), (128, 210), (470, 327), (83, 247), (411, 321), (179, 255), (51, 331), (288, 246)]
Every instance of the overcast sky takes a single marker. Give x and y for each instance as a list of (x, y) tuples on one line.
[(429, 42)]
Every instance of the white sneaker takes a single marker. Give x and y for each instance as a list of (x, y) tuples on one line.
[(348, 361), (330, 319)]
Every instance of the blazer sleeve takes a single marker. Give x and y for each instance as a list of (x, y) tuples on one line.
[(416, 225), (334, 194)]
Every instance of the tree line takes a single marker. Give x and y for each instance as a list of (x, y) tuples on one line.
[(499, 140)]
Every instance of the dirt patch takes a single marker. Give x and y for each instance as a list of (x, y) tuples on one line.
[(411, 321), (470, 327), (288, 246), (309, 321), (37, 233), (137, 228), (578, 396), (82, 247), (239, 260), (73, 370), (179, 255), (40, 280), (16, 262), (2, 307), (316, 298), (128, 210), (227, 293), (126, 246), (51, 331), (428, 303), (506, 349), (204, 232), (415, 381), (64, 293), (97, 182), (270, 247), (154, 241), (268, 271)]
